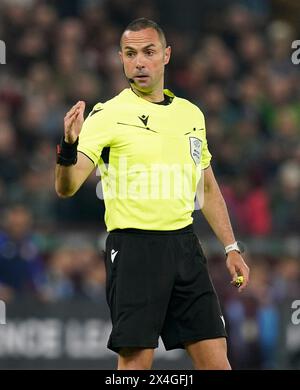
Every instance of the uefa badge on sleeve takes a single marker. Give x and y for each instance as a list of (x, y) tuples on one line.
[(195, 148)]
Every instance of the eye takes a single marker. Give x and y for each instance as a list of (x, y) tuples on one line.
[(130, 54), (149, 52)]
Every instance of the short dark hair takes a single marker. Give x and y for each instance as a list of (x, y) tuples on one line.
[(143, 23)]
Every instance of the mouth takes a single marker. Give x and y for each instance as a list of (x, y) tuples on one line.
[(141, 77)]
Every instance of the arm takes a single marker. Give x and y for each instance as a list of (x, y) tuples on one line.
[(216, 214), (68, 179)]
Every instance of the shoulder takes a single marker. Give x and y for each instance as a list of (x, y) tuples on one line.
[(190, 107), (108, 106)]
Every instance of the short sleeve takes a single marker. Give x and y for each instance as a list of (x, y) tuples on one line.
[(95, 134), (205, 155)]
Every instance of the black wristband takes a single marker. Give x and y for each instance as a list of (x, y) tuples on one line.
[(66, 154)]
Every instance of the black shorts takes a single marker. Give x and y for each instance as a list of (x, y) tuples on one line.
[(158, 285)]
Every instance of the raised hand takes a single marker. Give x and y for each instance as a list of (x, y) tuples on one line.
[(73, 122)]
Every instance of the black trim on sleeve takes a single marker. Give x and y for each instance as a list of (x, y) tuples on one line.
[(79, 151), (95, 110)]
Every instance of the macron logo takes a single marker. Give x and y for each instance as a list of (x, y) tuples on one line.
[(144, 119), (113, 255)]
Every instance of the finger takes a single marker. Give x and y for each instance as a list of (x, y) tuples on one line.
[(81, 111), (71, 112), (69, 120), (233, 273), (245, 274), (74, 108)]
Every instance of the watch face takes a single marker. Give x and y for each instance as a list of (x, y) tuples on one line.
[(241, 246)]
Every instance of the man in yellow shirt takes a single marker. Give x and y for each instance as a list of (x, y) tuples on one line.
[(152, 152)]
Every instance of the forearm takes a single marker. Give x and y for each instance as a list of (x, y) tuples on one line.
[(65, 181), (68, 179), (216, 214)]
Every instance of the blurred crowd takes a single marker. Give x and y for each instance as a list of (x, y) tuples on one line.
[(236, 66)]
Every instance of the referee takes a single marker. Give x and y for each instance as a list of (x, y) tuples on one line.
[(152, 151)]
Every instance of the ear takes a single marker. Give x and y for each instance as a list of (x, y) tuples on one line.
[(121, 57), (167, 55)]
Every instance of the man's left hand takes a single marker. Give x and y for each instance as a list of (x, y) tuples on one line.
[(237, 267)]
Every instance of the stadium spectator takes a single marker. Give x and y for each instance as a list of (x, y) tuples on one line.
[(21, 266)]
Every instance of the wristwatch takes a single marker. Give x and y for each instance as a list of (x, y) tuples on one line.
[(236, 246)]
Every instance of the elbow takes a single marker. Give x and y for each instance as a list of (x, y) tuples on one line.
[(63, 194)]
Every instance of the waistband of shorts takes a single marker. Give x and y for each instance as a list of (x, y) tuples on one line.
[(186, 229)]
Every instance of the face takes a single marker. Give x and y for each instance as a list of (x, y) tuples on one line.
[(18, 222), (144, 58)]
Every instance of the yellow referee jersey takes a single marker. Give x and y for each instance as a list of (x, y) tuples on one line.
[(155, 158)]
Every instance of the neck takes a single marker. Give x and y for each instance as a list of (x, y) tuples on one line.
[(155, 96)]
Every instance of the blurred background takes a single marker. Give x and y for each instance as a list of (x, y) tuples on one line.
[(232, 59)]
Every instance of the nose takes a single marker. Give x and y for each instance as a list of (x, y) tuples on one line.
[(139, 62)]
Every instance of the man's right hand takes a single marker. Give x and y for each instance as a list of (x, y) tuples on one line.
[(73, 122)]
